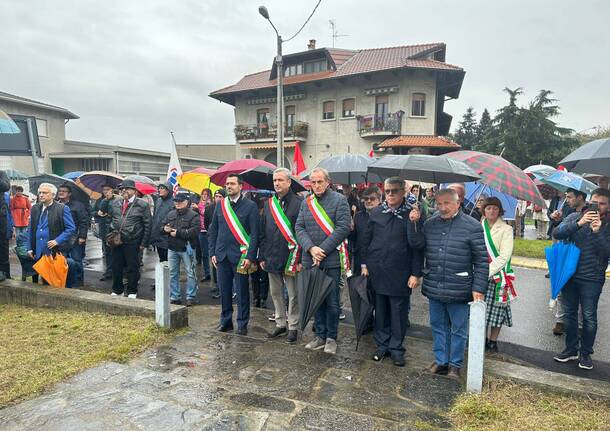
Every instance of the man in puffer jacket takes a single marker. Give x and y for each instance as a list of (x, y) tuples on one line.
[(163, 205), (455, 273), (590, 232)]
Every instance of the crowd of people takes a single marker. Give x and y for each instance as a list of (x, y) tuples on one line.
[(400, 238)]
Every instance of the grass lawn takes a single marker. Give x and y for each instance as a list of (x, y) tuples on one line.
[(530, 247), (40, 347), (505, 405)]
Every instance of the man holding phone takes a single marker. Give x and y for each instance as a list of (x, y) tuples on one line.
[(590, 231)]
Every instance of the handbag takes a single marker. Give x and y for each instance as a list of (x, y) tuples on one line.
[(113, 239)]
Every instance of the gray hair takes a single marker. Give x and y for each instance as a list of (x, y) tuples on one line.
[(448, 192), (322, 171), (49, 186), (283, 171), (395, 181)]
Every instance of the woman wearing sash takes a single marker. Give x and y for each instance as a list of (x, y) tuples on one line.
[(500, 292)]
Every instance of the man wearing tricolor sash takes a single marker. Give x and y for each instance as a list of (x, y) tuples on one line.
[(322, 227), (233, 244), (280, 254)]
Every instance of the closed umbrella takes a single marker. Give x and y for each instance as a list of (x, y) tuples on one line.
[(261, 177), (53, 268), (429, 169), (592, 158), (348, 169), (363, 304), (313, 286), (562, 259), (563, 181)]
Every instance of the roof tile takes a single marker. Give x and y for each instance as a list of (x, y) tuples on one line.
[(419, 141)]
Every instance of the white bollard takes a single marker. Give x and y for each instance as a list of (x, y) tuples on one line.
[(476, 346), (162, 311)]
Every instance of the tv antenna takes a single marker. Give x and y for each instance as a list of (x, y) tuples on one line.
[(335, 34)]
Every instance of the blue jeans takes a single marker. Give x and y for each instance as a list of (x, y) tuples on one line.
[(188, 258), (203, 242), (327, 316), (585, 293), (77, 253), (449, 323), (228, 278)]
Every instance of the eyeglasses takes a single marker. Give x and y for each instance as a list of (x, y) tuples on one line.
[(370, 198), (392, 191)]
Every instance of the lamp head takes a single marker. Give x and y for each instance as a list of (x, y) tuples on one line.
[(263, 11)]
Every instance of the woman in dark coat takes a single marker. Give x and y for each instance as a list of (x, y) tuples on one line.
[(394, 267)]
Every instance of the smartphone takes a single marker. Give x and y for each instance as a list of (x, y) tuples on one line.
[(593, 206)]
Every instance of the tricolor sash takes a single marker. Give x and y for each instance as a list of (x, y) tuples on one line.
[(505, 290), (327, 225), (285, 228), (238, 231)]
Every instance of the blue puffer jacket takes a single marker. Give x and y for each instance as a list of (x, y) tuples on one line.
[(456, 258), (594, 247)]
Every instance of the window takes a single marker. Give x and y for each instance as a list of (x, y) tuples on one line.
[(349, 108), (314, 66), (41, 125), (328, 110), (294, 69), (262, 122), (290, 111), (381, 111), (95, 164), (418, 107)]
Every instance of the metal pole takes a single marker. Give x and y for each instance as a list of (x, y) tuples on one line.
[(280, 104), (32, 146)]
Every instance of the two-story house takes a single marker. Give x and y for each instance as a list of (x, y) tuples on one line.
[(390, 100)]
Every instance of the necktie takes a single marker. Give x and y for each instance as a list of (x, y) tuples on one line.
[(125, 205)]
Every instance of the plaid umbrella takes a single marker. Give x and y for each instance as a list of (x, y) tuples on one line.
[(502, 175)]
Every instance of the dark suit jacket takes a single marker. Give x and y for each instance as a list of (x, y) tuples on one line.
[(222, 243)]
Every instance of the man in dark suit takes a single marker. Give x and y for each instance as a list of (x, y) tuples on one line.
[(233, 242), (80, 215)]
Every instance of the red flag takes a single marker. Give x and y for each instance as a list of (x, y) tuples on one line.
[(298, 164), (371, 153)]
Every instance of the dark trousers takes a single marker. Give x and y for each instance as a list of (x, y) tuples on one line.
[(77, 253), (327, 316), (126, 258), (391, 317), (162, 252), (205, 258), (227, 274), (5, 266), (260, 285), (586, 294)]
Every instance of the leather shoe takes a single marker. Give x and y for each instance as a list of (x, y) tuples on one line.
[(558, 329), (175, 302), (453, 373), (277, 332), (242, 331), (225, 328), (292, 336), (441, 370), (399, 361)]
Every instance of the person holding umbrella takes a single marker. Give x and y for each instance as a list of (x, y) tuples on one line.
[(394, 264), (322, 227), (233, 238), (280, 254), (131, 218), (590, 232)]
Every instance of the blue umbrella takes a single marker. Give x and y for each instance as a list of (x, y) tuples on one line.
[(563, 181), (475, 189), (7, 125), (562, 259), (73, 175)]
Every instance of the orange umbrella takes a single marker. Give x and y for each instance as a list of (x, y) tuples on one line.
[(54, 269)]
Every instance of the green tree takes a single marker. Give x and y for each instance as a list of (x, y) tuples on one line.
[(484, 134), (466, 134), (505, 136)]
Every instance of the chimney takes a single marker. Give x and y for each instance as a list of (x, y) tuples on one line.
[(311, 45)]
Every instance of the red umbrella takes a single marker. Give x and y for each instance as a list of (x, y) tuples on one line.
[(237, 167), (501, 175), (145, 188), (546, 191)]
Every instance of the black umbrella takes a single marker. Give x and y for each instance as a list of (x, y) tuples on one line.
[(348, 169), (261, 177), (77, 193), (424, 168), (592, 158), (363, 304), (313, 286)]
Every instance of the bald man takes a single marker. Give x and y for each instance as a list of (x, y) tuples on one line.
[(460, 189)]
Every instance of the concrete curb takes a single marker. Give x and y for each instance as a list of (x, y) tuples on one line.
[(556, 382), (534, 263), (28, 294)]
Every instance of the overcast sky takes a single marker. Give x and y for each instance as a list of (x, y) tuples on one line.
[(134, 70)]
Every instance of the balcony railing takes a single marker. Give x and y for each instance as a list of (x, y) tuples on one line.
[(380, 124), (268, 132)]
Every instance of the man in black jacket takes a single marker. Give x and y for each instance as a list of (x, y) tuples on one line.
[(394, 266), (5, 269), (163, 205), (103, 218), (181, 227), (371, 197), (131, 217), (590, 231), (80, 215), (456, 272), (279, 254)]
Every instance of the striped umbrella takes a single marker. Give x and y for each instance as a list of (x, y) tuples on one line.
[(502, 175)]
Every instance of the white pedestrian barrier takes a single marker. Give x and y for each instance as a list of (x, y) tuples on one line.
[(476, 346), (162, 304)]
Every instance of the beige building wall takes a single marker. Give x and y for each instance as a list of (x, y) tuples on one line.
[(341, 135)]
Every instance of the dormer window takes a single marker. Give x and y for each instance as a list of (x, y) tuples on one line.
[(294, 69), (315, 66)]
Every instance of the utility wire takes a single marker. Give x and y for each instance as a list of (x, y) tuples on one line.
[(305, 23)]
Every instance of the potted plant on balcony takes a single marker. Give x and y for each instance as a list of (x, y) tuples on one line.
[(241, 132), (300, 129)]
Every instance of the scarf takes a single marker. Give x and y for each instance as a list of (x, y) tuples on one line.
[(397, 212)]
